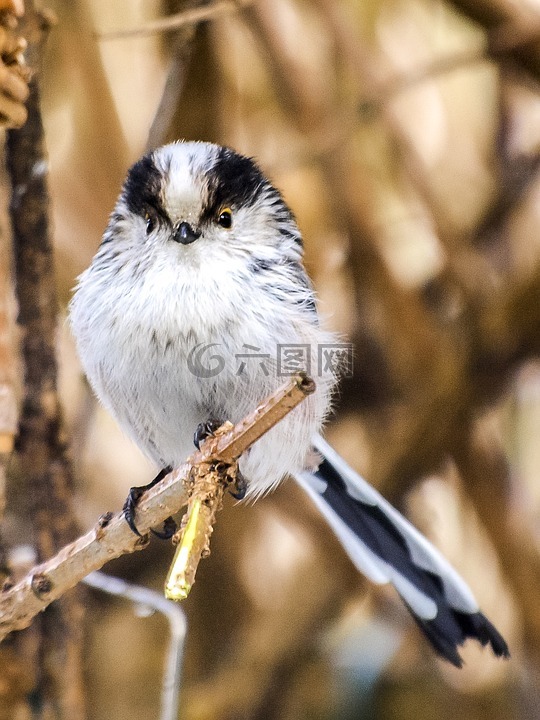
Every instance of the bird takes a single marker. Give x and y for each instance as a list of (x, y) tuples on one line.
[(193, 310)]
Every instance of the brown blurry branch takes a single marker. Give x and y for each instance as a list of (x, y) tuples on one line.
[(13, 93), (8, 364), (315, 118), (278, 641), (452, 347), (112, 537), (382, 367), (180, 20), (513, 29), (500, 42), (52, 653), (440, 353), (14, 76), (451, 363), (13, 6), (40, 444), (469, 356), (483, 464)]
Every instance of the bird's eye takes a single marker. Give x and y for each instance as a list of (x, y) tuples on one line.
[(151, 221), (225, 218)]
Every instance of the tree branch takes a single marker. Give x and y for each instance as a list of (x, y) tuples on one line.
[(111, 537), (192, 16)]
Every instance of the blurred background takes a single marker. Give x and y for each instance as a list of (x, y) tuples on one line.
[(405, 135)]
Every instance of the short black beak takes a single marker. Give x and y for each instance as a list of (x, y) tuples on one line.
[(185, 234)]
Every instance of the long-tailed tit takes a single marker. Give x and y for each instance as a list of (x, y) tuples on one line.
[(193, 305)]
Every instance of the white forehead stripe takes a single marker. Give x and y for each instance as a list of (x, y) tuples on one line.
[(184, 167)]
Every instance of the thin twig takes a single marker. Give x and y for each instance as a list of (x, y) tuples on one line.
[(179, 20), (206, 494), (205, 500), (112, 537), (170, 691), (9, 411), (382, 94)]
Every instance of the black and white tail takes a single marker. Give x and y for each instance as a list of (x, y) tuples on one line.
[(388, 549)]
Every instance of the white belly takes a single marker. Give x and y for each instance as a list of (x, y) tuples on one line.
[(139, 352)]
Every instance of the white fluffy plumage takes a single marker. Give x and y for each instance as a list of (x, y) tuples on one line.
[(147, 302)]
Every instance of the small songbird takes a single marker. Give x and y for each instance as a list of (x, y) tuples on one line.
[(194, 309)]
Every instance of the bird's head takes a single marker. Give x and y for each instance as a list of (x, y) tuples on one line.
[(194, 200)]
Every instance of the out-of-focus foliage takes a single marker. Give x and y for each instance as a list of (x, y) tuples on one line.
[(405, 134)]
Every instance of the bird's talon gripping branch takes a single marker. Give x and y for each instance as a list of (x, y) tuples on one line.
[(240, 487), (169, 529), (129, 508), (205, 430), (135, 494)]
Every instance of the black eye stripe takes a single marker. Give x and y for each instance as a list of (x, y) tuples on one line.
[(233, 181), (142, 188)]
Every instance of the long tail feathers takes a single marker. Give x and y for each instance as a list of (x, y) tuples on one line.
[(385, 547)]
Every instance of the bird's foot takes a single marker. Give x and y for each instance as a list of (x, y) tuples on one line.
[(169, 528), (205, 430), (240, 487), (135, 494)]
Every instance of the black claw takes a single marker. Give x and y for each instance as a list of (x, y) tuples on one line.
[(240, 487), (169, 528), (129, 508), (204, 430), (128, 515), (135, 493)]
